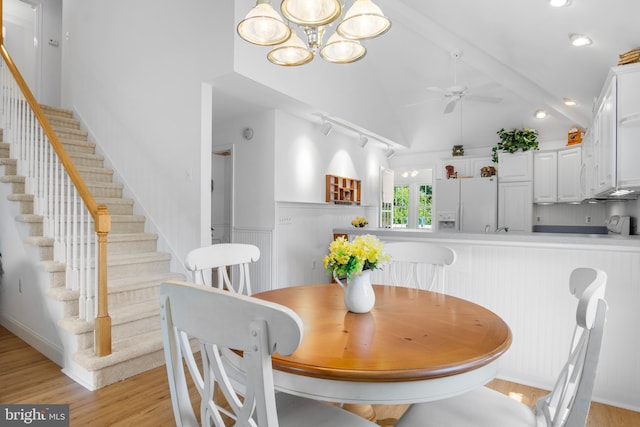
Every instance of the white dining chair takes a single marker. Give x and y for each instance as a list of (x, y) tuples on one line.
[(418, 265), (227, 258), (567, 405), (255, 329)]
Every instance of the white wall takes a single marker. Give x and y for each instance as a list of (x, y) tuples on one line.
[(305, 156), (24, 308), (133, 74), (253, 168), (304, 222), (30, 25)]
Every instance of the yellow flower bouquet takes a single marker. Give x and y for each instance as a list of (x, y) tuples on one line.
[(359, 221), (351, 258)]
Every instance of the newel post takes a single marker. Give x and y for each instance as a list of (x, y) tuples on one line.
[(102, 334)]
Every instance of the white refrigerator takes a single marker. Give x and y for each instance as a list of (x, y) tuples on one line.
[(467, 204)]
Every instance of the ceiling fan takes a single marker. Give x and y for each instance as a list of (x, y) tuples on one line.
[(454, 94)]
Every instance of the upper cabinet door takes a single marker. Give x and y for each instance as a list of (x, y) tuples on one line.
[(545, 177), (628, 115), (605, 144), (569, 164), (515, 167)]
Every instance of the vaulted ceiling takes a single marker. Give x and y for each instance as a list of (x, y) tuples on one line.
[(517, 51)]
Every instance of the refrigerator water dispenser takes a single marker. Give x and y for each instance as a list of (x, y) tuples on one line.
[(447, 221)]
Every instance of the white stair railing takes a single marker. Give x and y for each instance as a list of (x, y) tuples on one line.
[(71, 217)]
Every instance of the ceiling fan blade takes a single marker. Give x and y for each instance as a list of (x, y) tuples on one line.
[(451, 104), (479, 98)]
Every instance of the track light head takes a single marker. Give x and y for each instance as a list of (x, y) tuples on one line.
[(326, 128)]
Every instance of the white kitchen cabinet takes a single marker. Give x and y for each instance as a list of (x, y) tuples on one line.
[(569, 163), (616, 132), (515, 209), (515, 166), (465, 166), (545, 173), (587, 175), (556, 176), (604, 144)]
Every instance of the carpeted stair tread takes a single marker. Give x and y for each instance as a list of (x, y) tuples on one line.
[(122, 351), (119, 316)]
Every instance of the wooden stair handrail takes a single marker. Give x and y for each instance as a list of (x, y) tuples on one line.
[(100, 214)]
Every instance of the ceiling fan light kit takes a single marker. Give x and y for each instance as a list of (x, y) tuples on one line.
[(264, 27)]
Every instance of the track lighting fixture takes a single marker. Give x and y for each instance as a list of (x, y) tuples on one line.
[(326, 128)]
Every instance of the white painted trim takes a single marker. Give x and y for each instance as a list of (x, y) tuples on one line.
[(35, 340)]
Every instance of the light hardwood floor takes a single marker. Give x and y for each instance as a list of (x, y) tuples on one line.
[(28, 377)]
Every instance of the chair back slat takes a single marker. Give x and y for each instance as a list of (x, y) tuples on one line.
[(231, 260), (256, 328), (418, 265), (568, 403)]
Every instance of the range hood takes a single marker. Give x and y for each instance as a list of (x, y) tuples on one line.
[(619, 193)]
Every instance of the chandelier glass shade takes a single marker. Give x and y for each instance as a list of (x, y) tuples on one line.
[(263, 26)]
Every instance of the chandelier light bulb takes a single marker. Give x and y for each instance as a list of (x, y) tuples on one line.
[(311, 12), (363, 21), (263, 26), (291, 53), (342, 51)]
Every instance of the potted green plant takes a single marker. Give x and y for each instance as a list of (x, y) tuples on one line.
[(513, 140)]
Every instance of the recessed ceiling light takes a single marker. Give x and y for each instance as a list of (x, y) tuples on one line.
[(540, 114), (580, 39), (569, 102), (559, 3)]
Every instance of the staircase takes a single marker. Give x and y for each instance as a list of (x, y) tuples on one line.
[(134, 268)]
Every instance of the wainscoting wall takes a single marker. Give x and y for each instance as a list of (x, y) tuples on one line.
[(527, 284)]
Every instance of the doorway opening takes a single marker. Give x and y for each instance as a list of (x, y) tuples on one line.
[(221, 195)]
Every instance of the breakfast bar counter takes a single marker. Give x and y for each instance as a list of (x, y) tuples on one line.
[(523, 277)]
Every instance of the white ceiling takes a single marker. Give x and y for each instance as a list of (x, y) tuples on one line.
[(515, 50)]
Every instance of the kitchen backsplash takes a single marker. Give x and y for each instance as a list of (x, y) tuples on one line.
[(585, 214)]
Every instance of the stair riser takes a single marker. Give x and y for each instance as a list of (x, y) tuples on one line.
[(7, 170), (127, 227), (58, 279), (119, 209), (133, 367), (122, 331), (63, 122), (17, 187), (98, 176), (131, 270), (77, 134), (78, 148), (117, 227), (56, 112), (108, 191), (26, 207), (113, 208), (118, 299), (46, 252), (141, 246), (4, 152), (87, 161), (35, 228)]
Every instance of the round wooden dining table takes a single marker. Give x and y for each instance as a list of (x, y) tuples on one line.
[(414, 346)]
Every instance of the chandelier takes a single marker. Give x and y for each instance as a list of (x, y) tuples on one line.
[(263, 26)]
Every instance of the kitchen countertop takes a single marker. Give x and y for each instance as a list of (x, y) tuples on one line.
[(584, 241)]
